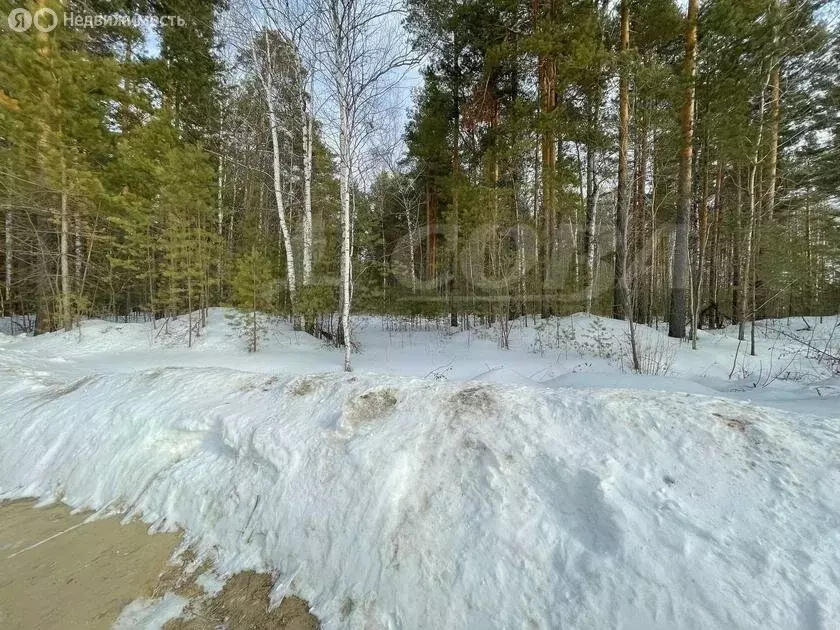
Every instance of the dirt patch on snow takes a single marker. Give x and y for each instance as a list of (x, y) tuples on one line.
[(475, 399), (56, 572), (306, 385), (735, 423), (370, 405), (243, 604)]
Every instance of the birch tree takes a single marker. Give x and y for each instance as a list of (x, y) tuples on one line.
[(299, 22), (363, 52), (268, 67), (308, 116)]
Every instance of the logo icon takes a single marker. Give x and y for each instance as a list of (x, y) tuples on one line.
[(20, 20), (45, 20)]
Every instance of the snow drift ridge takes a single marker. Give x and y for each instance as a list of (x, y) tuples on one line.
[(404, 503)]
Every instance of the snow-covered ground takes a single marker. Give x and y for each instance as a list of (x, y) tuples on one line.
[(448, 483)]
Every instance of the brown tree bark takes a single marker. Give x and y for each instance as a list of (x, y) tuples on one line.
[(547, 82), (456, 174), (431, 231), (773, 157), (775, 116), (622, 206), (713, 254), (677, 314)]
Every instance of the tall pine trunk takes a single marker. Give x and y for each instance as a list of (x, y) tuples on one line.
[(773, 154), (775, 115), (702, 243), (639, 215), (677, 315), (714, 319), (453, 284), (737, 262), (546, 80), (620, 292)]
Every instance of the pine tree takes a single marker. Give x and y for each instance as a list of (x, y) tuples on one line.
[(677, 314), (254, 294)]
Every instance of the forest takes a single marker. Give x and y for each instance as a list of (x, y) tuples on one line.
[(420, 314), (477, 161)]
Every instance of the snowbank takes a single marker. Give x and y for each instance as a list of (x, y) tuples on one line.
[(792, 369), (390, 502)]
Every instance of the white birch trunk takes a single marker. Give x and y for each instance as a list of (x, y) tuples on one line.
[(361, 53), (749, 250), (591, 219), (8, 251), (308, 113), (64, 248), (220, 184), (411, 245), (77, 251), (276, 171), (64, 255), (520, 254), (346, 259)]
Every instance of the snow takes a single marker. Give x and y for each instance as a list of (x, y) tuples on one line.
[(448, 483), (150, 614)]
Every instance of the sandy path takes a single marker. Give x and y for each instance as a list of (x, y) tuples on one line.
[(56, 572)]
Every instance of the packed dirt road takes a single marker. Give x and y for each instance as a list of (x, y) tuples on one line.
[(56, 571)]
